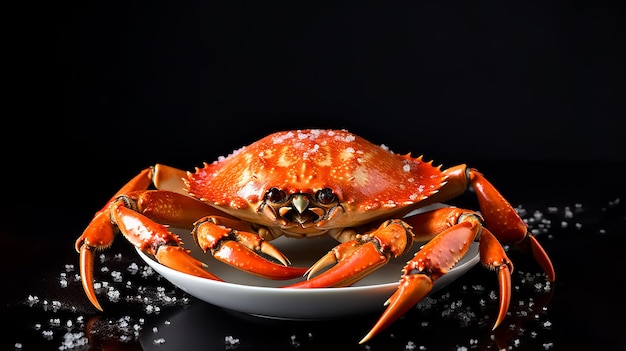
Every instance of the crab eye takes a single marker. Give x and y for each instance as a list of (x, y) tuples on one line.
[(275, 195), (326, 196)]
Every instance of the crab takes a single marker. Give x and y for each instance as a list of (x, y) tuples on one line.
[(308, 183)]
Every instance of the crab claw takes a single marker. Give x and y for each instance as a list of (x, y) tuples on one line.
[(86, 273), (178, 258), (357, 258), (99, 233), (244, 250), (433, 260), (411, 290), (493, 256)]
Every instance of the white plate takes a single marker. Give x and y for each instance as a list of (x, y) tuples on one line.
[(260, 297)]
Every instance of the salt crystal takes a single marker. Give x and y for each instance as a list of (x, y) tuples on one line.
[(231, 342), (117, 276), (568, 212), (293, 341), (147, 272), (47, 334), (55, 322), (133, 268), (32, 300), (73, 340), (114, 295)]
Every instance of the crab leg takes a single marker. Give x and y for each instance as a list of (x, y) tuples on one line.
[(128, 211), (505, 223), (499, 216), (242, 249), (457, 229), (99, 234)]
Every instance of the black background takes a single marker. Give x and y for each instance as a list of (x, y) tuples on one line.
[(193, 80), (531, 93), (103, 85)]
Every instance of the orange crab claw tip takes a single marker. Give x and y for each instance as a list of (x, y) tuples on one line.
[(325, 261), (86, 274), (269, 249), (542, 258), (504, 279), (412, 289), (179, 259)]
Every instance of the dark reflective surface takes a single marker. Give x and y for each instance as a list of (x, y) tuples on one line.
[(580, 221)]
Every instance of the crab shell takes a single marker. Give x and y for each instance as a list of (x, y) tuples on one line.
[(370, 181)]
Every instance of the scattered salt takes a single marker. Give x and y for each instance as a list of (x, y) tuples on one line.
[(47, 334), (568, 212), (114, 295), (117, 276), (230, 342), (55, 322), (133, 268), (293, 341), (73, 340)]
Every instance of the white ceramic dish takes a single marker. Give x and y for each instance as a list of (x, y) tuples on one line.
[(256, 296)]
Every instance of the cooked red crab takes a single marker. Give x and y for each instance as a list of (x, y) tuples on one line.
[(306, 183)]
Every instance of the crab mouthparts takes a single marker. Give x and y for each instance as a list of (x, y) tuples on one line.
[(298, 210)]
